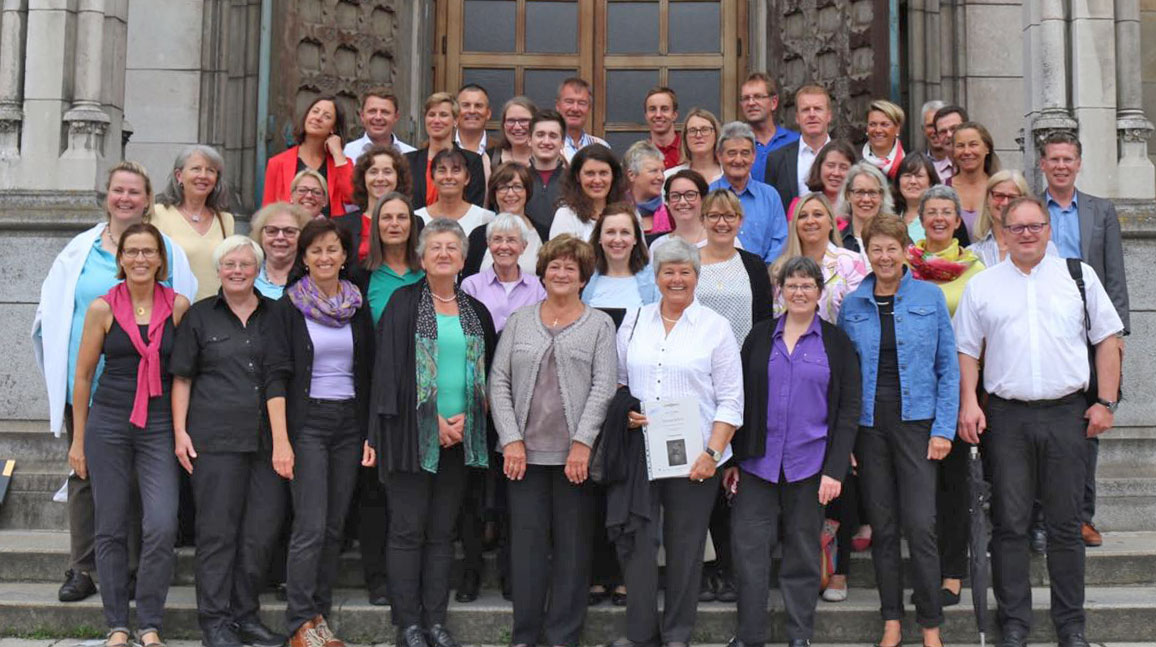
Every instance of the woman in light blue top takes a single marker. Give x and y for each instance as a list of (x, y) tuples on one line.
[(622, 277), (276, 227)]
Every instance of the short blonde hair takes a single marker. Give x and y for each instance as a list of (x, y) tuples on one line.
[(892, 111), (316, 176), (984, 221), (135, 168), (724, 196), (232, 244), (442, 97), (258, 222)]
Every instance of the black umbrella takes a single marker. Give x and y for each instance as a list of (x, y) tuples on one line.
[(979, 497)]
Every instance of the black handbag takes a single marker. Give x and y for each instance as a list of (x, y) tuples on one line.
[(1092, 394)]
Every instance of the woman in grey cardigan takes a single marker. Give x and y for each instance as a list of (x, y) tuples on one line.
[(553, 377)]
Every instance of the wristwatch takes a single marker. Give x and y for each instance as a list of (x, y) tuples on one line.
[(715, 456), (1108, 404)]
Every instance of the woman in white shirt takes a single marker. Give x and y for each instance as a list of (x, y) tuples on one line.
[(451, 175), (594, 180), (671, 351)]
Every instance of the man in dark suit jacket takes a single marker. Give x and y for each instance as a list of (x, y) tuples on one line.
[(789, 166), (475, 190), (1084, 227)]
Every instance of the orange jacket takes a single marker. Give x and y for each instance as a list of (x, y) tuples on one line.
[(282, 168)]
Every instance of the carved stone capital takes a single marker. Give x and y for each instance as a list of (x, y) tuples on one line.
[(1052, 121), (1134, 128), (87, 125)]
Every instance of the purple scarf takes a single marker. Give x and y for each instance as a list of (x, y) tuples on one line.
[(317, 307)]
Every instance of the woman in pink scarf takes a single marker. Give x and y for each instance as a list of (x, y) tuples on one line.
[(126, 434)]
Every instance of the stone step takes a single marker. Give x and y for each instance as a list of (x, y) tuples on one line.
[(30, 440), (1113, 614), (1125, 559)]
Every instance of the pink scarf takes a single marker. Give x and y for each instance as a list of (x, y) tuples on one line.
[(148, 374)]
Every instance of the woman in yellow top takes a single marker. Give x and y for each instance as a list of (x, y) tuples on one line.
[(938, 258), (191, 211)]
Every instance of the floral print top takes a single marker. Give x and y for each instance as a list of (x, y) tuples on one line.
[(843, 271)]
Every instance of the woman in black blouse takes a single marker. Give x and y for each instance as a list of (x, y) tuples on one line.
[(222, 441), (317, 390)]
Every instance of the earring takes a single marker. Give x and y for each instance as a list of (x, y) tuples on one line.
[(306, 269)]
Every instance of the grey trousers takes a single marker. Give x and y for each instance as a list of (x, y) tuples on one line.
[(120, 456), (550, 522), (762, 510), (685, 508), (81, 517)]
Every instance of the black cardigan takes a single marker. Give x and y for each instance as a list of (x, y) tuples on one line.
[(475, 190), (844, 396), (393, 421), (289, 362), (762, 298)]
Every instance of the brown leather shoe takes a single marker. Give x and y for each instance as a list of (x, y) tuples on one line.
[(326, 634), (1092, 537), (307, 636)]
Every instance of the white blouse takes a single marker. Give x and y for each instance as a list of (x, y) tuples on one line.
[(475, 217), (699, 359), (567, 222)]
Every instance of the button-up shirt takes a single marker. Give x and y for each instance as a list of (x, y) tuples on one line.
[(1033, 327), (796, 408), (671, 154), (355, 148), (782, 137), (805, 161), (224, 359), (1065, 226), (485, 287), (944, 168), (764, 229), (697, 360), (571, 146)]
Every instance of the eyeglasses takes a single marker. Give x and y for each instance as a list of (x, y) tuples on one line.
[(518, 122), (805, 288), (699, 132), (1035, 228), (148, 253), (582, 103), (231, 266), (688, 196), (304, 190), (729, 218), (999, 195), (748, 98), (273, 232), (506, 240), (866, 193), (510, 188)]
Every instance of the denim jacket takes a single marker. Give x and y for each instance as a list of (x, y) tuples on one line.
[(925, 343), (646, 286)]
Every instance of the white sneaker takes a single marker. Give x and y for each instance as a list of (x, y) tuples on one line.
[(834, 595)]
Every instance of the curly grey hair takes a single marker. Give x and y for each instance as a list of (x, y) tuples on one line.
[(676, 250), (442, 226)]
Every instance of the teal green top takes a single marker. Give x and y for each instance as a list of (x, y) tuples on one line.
[(383, 283), (451, 366)]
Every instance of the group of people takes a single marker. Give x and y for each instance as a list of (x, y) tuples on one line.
[(462, 341)]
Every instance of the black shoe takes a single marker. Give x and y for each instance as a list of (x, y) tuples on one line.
[(411, 636), (254, 632), (77, 586), (799, 642), (1014, 638), (1073, 640), (221, 635), (706, 592), (468, 591), (439, 636), (947, 598), (725, 589), (594, 598), (1038, 539), (379, 596), (618, 599)]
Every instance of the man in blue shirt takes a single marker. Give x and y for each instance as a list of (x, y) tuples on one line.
[(758, 100), (764, 229)]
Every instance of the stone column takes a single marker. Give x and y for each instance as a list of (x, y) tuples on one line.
[(11, 77), (87, 122), (1135, 173), (1046, 77), (1093, 56)]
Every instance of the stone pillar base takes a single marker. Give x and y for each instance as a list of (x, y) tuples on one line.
[(1135, 172)]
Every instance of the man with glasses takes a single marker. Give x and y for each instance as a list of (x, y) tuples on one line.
[(764, 228), (573, 102), (758, 100), (1087, 228), (660, 108), (946, 120), (789, 167), (1030, 322)]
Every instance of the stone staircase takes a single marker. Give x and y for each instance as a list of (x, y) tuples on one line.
[(1121, 575)]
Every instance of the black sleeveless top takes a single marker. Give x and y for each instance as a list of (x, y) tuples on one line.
[(117, 384)]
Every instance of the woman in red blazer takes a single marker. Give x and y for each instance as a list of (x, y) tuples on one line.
[(320, 149)]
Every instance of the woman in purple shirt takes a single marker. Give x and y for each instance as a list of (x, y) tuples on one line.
[(802, 391)]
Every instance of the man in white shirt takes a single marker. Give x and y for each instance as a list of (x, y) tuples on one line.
[(378, 115), (1030, 323), (789, 167), (474, 103), (573, 102)]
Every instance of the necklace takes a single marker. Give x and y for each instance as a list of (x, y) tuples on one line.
[(443, 299), (195, 217)]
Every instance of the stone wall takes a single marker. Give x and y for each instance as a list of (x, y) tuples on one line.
[(1148, 60)]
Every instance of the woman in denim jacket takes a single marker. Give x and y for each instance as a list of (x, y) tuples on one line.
[(902, 330)]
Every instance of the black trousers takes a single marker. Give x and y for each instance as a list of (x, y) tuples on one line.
[(238, 513), (952, 521), (847, 511), (1088, 509), (898, 485), (1037, 452), (550, 521), (372, 526), (121, 459), (327, 452), (684, 508), (720, 534), (761, 511), (604, 567), (423, 508)]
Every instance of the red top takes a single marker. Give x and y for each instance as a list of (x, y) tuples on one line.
[(672, 154), (282, 168)]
